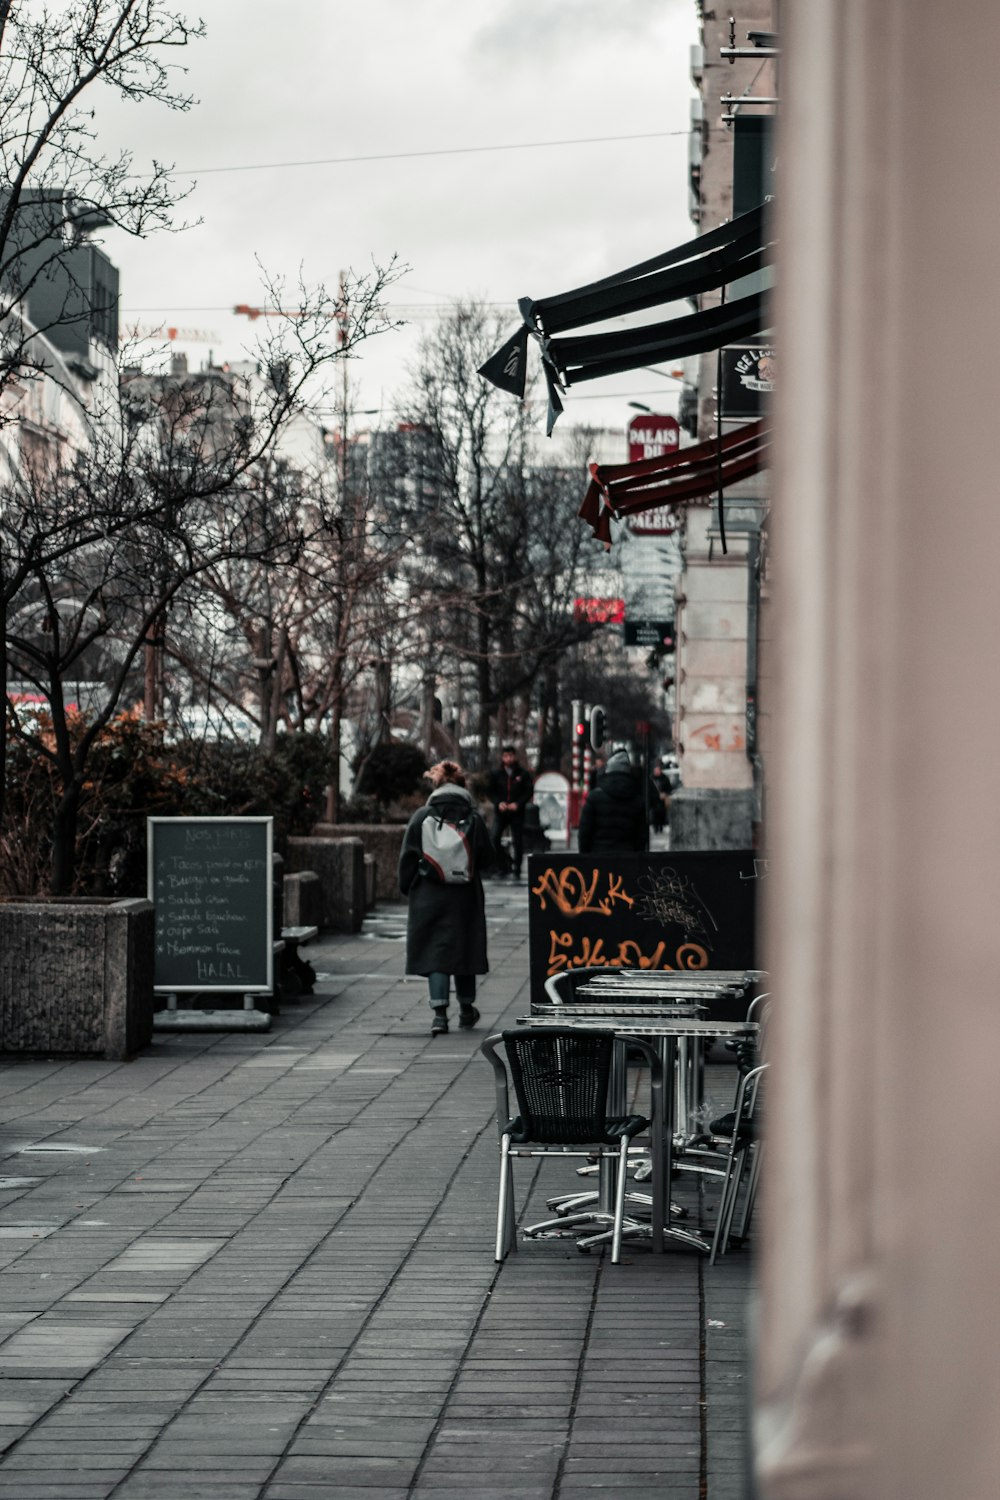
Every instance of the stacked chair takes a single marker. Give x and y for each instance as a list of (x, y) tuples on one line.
[(732, 1149), (732, 1155)]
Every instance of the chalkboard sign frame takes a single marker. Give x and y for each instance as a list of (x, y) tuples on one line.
[(687, 910), (260, 982)]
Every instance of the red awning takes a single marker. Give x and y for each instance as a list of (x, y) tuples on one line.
[(679, 478)]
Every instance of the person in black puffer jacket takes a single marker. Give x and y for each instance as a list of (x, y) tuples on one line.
[(613, 820)]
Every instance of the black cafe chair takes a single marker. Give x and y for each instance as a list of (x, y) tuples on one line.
[(560, 1077), (562, 988)]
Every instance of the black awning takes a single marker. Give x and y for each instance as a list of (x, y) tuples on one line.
[(708, 263), (591, 356)]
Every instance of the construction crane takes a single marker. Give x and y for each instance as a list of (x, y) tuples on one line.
[(244, 310), (167, 333), (409, 309)]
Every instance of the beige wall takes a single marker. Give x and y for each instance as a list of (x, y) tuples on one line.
[(878, 1362), (711, 660), (710, 716)]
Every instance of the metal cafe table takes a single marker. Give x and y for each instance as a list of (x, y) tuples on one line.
[(666, 983), (666, 1030), (632, 992)]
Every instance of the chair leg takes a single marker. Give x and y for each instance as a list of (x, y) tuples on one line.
[(645, 1200), (736, 1160), (616, 1240), (727, 1201), (562, 1221), (734, 1193), (506, 1236), (753, 1180), (564, 1203)]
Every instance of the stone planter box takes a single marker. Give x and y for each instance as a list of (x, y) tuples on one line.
[(76, 976), (381, 840), (340, 865), (303, 899)]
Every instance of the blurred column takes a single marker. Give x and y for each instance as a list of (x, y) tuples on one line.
[(878, 1368)]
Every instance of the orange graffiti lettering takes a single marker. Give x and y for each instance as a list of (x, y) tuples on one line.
[(589, 954), (691, 956), (575, 895), (631, 956)]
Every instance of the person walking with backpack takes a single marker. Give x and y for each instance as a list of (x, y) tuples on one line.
[(446, 847)]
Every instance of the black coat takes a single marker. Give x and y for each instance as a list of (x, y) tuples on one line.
[(613, 820), (515, 785), (446, 925)]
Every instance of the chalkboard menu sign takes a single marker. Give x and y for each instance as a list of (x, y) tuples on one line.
[(686, 910), (210, 881)]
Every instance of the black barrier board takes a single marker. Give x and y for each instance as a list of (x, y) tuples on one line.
[(693, 911), (210, 881)]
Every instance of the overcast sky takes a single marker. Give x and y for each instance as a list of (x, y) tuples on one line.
[(310, 79)]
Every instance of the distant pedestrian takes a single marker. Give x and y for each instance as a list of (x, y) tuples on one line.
[(446, 848), (660, 799), (510, 788), (613, 820)]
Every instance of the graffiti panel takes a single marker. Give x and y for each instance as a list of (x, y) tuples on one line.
[(685, 910)]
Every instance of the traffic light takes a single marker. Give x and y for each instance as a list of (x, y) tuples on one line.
[(580, 731), (597, 726)]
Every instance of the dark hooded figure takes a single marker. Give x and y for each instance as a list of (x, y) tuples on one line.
[(446, 925), (613, 820)]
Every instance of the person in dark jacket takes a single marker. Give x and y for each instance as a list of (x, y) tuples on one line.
[(446, 924), (613, 820), (510, 788), (659, 806)]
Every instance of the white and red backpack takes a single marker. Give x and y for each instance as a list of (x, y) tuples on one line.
[(446, 845)]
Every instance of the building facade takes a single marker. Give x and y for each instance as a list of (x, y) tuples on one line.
[(717, 693)]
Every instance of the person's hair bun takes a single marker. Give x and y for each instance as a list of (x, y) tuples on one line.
[(446, 772)]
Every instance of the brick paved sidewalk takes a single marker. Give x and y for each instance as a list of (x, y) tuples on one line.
[(260, 1268)]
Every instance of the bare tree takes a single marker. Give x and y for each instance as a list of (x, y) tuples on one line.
[(496, 546), (59, 185), (315, 625), (97, 544), (58, 294), (469, 512), (105, 522)]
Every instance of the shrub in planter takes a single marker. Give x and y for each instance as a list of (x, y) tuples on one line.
[(134, 774), (391, 772)]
